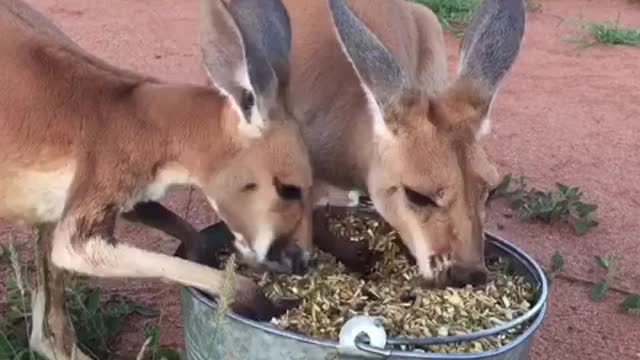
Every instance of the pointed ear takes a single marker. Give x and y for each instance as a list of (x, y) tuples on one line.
[(381, 76), (223, 54), (488, 50), (266, 31), (245, 46)]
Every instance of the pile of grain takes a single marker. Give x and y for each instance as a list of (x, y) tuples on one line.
[(331, 295)]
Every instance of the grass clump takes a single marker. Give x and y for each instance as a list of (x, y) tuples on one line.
[(613, 33), (454, 15), (607, 33)]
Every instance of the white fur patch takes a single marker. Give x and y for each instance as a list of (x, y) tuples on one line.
[(214, 205), (170, 175), (423, 253), (380, 128), (34, 196), (98, 258), (325, 194), (241, 245), (485, 128), (262, 242), (38, 341), (38, 318)]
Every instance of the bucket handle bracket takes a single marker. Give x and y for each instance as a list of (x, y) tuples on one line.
[(355, 329)]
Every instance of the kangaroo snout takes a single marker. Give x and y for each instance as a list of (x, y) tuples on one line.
[(462, 275), (290, 256)]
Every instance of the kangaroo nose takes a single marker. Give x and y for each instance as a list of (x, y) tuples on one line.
[(460, 276), (289, 255)]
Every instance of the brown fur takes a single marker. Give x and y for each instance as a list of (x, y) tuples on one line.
[(435, 127), (83, 140)]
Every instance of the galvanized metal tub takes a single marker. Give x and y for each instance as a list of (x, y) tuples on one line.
[(240, 338)]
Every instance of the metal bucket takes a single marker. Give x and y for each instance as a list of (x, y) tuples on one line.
[(239, 338)]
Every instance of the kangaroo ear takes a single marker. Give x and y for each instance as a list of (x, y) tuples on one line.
[(488, 50), (381, 76), (223, 53), (266, 32), (246, 47)]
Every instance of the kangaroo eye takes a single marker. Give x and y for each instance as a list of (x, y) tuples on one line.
[(249, 187), (289, 192), (418, 199)]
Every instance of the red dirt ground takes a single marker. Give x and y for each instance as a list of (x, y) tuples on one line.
[(562, 115)]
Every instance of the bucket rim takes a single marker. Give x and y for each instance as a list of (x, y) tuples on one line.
[(535, 315)]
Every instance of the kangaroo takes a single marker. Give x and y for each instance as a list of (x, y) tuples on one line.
[(368, 84), (84, 141)]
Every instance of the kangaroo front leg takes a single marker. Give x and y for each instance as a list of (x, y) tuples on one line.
[(52, 334), (86, 244), (155, 215)]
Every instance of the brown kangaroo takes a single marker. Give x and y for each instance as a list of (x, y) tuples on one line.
[(83, 141), (368, 85)]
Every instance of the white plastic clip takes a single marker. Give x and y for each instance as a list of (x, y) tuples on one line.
[(358, 325)]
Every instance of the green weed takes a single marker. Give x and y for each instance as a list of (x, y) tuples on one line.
[(454, 15), (97, 324), (564, 204), (557, 265), (599, 290), (590, 33)]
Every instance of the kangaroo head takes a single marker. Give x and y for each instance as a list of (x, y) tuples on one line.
[(262, 194), (429, 176)]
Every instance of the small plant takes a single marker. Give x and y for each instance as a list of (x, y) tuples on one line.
[(15, 326), (608, 32), (96, 325), (630, 304), (153, 350), (564, 204), (225, 296), (533, 5), (600, 289), (557, 265), (454, 15)]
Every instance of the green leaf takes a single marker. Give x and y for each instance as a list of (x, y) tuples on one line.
[(562, 188), (604, 261), (92, 301), (599, 290), (572, 192), (152, 331), (6, 350), (557, 262), (167, 354), (143, 310), (584, 209), (503, 187), (631, 303), (583, 225)]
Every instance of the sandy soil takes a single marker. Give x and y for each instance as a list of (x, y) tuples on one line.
[(562, 115)]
